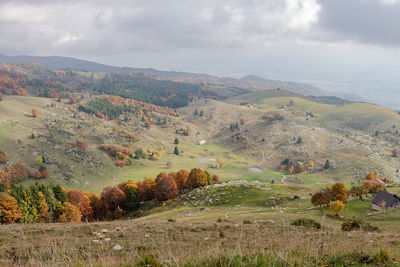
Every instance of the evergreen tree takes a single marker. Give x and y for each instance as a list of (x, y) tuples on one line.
[(59, 194), (201, 113), (327, 164), (176, 151), (132, 199), (299, 140), (176, 141), (195, 112)]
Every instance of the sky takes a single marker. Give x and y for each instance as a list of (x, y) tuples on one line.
[(345, 46)]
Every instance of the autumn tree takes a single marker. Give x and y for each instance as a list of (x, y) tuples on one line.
[(166, 188), (146, 189), (337, 207), (370, 176), (395, 153), (35, 113), (242, 121), (44, 213), (366, 187), (3, 158), (376, 188), (113, 199), (79, 199), (96, 205), (310, 165), (197, 178), (9, 209), (69, 213), (339, 192), (125, 186), (356, 191), (320, 199), (216, 179), (181, 178)]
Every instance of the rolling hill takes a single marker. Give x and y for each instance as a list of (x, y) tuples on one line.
[(249, 82)]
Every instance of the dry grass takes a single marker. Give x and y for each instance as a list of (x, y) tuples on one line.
[(178, 242)]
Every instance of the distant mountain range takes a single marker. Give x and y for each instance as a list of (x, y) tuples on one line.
[(249, 82)]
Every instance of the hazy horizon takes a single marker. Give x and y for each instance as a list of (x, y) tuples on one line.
[(346, 47)]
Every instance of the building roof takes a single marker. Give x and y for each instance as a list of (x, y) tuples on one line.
[(389, 199), (377, 181)]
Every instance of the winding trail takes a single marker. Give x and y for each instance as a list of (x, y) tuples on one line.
[(262, 154)]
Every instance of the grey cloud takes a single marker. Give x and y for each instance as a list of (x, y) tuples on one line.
[(122, 26), (363, 21)]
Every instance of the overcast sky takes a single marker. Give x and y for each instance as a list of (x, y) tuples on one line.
[(332, 43)]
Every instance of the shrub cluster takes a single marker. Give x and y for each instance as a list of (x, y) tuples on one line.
[(308, 223), (356, 225)]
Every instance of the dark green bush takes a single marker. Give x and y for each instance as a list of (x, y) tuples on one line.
[(308, 223)]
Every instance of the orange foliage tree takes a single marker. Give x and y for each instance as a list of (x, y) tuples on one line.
[(80, 144), (79, 199), (9, 210), (35, 113), (321, 198), (181, 179), (370, 176), (113, 200), (166, 188), (14, 173), (216, 179), (146, 189), (95, 204), (339, 192)]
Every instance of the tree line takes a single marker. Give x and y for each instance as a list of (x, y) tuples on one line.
[(53, 203)]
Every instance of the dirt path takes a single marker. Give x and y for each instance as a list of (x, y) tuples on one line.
[(262, 154)]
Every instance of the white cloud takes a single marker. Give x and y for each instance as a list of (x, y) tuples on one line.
[(390, 2)]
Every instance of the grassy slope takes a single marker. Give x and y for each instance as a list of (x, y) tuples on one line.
[(93, 170), (242, 219), (344, 134)]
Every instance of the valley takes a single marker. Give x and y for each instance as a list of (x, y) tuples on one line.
[(263, 154)]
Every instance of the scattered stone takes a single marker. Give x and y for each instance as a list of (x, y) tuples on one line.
[(117, 247)]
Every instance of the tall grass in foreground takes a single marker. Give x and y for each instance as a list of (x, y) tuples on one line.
[(174, 243)]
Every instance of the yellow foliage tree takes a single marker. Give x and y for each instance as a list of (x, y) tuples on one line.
[(39, 160), (43, 208), (337, 206), (310, 165), (69, 213)]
